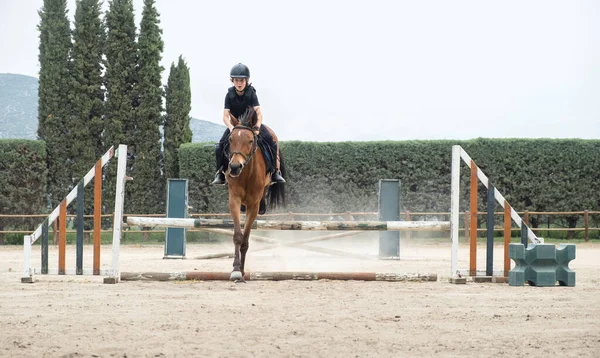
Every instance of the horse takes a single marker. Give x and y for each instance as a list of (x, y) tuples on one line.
[(249, 183)]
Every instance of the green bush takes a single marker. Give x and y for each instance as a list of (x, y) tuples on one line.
[(532, 174), (13, 239), (23, 176)]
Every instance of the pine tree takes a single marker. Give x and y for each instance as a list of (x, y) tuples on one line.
[(87, 97), (120, 80), (149, 186), (53, 109), (177, 120)]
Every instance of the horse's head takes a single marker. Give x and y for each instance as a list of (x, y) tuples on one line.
[(242, 141)]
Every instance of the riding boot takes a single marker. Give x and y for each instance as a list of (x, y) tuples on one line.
[(276, 176), (220, 175)]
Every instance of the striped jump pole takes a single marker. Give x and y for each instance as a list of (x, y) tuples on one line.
[(278, 276), (60, 213), (293, 225), (510, 215)]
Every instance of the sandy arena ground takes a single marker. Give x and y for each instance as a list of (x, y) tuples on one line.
[(81, 317)]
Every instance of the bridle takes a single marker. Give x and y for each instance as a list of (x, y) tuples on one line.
[(254, 146)]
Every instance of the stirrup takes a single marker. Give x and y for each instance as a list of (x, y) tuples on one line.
[(277, 178), (219, 178)]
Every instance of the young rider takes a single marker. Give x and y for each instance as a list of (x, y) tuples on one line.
[(238, 98)]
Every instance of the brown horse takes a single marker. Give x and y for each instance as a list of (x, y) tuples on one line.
[(248, 182)]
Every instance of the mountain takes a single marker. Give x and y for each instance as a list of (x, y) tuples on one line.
[(19, 117), (205, 131), (18, 106)]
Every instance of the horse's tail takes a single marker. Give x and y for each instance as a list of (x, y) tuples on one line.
[(277, 190)]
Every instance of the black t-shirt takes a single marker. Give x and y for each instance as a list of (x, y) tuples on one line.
[(237, 104)]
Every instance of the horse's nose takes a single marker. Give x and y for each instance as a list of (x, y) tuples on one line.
[(235, 168)]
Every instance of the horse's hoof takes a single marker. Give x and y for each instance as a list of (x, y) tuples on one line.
[(236, 276)]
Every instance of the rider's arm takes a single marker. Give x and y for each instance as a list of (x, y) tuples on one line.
[(258, 116), (226, 114), (256, 105), (226, 119)]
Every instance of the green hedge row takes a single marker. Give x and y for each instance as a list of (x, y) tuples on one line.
[(533, 174), (23, 177)]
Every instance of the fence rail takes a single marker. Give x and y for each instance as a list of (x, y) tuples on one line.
[(374, 213), (406, 215)]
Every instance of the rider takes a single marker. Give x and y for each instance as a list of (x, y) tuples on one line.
[(238, 98)]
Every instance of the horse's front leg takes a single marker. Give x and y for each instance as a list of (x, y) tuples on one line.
[(234, 209), (251, 213)]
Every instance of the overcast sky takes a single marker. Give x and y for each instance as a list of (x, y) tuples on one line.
[(340, 70)]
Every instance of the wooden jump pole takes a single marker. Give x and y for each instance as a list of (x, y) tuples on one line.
[(473, 229), (79, 223), (293, 225), (489, 257), (62, 237), (278, 276), (97, 215), (507, 234)]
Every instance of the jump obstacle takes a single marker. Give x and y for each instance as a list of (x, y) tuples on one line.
[(458, 153), (114, 274), (285, 225), (388, 210), (60, 212)]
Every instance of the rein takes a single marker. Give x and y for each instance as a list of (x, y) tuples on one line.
[(254, 146)]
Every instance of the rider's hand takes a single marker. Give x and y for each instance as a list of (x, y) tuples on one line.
[(256, 129)]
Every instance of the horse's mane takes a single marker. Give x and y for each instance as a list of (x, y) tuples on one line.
[(247, 117)]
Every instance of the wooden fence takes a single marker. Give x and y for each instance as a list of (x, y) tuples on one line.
[(349, 216)]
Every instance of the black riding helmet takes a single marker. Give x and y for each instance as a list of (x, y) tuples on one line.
[(240, 71)]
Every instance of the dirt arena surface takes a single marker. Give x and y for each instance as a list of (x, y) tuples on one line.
[(82, 317)]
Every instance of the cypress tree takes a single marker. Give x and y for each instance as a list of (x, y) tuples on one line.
[(177, 120), (148, 186), (86, 81), (120, 80), (53, 109)]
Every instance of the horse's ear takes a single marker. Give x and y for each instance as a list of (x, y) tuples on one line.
[(253, 116), (234, 121)]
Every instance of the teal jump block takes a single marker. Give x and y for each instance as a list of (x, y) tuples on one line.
[(541, 265)]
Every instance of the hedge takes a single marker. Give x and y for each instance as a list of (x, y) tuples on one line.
[(22, 181), (533, 174)]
